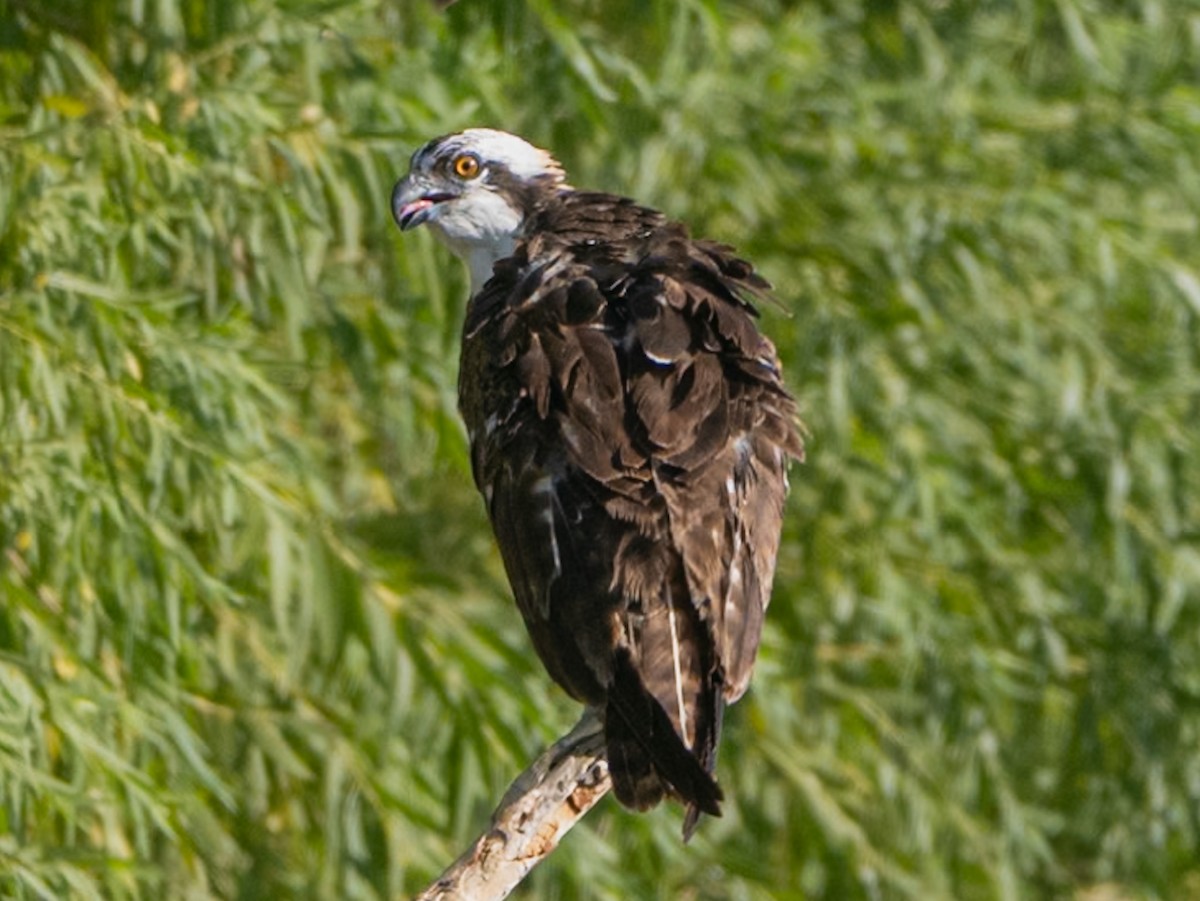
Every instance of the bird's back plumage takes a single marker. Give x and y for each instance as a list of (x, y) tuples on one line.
[(630, 433)]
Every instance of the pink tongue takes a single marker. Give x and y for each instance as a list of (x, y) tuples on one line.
[(416, 206)]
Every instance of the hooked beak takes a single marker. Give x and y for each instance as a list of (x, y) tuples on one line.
[(413, 201)]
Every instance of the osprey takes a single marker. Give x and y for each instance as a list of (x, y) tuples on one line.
[(630, 433)]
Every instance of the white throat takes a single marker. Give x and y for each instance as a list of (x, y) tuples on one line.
[(481, 259), (480, 229)]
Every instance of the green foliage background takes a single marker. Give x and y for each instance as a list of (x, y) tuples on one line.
[(255, 641)]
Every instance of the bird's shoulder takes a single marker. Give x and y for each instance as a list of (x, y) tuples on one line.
[(633, 255), (634, 339)]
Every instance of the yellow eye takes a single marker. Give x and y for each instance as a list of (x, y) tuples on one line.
[(466, 165)]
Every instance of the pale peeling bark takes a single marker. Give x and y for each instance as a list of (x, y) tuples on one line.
[(537, 810)]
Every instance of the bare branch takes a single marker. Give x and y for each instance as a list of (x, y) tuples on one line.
[(537, 810)]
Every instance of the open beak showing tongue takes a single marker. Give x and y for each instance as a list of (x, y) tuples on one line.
[(413, 213), (413, 201)]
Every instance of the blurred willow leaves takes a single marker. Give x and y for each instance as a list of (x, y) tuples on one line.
[(254, 640)]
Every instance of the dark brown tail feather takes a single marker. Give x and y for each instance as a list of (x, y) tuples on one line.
[(635, 780), (708, 737), (645, 754)]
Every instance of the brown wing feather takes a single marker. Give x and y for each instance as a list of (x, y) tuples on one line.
[(630, 432)]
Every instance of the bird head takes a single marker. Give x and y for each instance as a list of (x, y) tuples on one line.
[(475, 189)]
